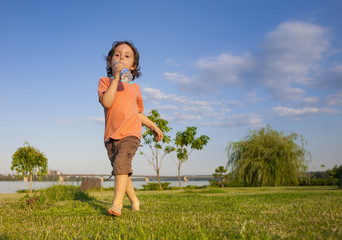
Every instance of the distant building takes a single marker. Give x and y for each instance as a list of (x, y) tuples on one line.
[(54, 172)]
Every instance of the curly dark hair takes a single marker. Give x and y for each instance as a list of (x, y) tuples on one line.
[(136, 72)]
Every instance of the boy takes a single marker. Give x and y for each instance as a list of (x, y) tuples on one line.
[(123, 107)]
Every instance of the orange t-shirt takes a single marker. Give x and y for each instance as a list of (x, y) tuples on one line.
[(122, 118)]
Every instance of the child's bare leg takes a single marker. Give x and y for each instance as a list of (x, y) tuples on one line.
[(131, 195), (120, 186), (120, 189)]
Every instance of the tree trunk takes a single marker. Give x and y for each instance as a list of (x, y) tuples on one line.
[(30, 183), (160, 187), (157, 166), (179, 178)]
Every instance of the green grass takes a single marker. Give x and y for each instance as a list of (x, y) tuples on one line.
[(235, 213)]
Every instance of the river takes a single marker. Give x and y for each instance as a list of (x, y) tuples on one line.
[(14, 186)]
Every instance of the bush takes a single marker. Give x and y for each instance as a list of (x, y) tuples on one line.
[(24, 191), (194, 187), (54, 194), (155, 186), (231, 183), (63, 193), (320, 182)]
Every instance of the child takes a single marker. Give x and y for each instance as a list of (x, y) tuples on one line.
[(123, 107)]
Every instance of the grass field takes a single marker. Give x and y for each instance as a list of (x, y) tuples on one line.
[(235, 213)]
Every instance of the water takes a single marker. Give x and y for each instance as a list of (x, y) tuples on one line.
[(14, 186)]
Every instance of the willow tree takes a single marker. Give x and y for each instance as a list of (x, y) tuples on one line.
[(158, 149), (266, 157), (28, 161), (186, 142)]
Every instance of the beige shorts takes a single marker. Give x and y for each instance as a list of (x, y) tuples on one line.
[(121, 153)]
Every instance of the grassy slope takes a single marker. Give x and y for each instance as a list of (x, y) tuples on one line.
[(251, 213)]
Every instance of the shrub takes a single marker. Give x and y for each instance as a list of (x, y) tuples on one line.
[(63, 193), (155, 186), (320, 182), (54, 194), (24, 191), (231, 183), (194, 187)]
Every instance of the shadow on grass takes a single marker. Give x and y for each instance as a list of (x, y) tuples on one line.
[(97, 205), (4, 237)]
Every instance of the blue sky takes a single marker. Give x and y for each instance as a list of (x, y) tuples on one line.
[(223, 66)]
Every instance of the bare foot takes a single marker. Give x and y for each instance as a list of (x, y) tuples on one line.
[(135, 206), (113, 210)]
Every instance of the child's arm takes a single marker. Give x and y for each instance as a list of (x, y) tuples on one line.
[(107, 98), (158, 134)]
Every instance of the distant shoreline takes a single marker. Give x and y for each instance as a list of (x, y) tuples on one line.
[(69, 178)]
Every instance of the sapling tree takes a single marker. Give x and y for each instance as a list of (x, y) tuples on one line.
[(28, 161), (158, 149), (220, 175), (186, 142)]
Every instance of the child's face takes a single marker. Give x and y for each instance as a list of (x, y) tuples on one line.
[(124, 54)]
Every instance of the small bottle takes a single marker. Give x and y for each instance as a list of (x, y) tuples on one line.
[(126, 75)]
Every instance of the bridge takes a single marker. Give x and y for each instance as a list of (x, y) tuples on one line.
[(62, 176)]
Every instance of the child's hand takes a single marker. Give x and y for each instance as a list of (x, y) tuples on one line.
[(158, 134), (117, 68)]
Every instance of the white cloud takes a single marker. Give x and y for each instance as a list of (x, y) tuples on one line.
[(95, 119), (253, 97), (299, 112), (285, 63), (187, 117), (178, 108), (235, 103), (178, 78), (241, 120), (167, 107), (290, 57), (192, 109), (310, 100), (156, 95), (335, 99), (225, 69), (180, 117), (293, 48), (226, 109), (175, 108), (172, 62)]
